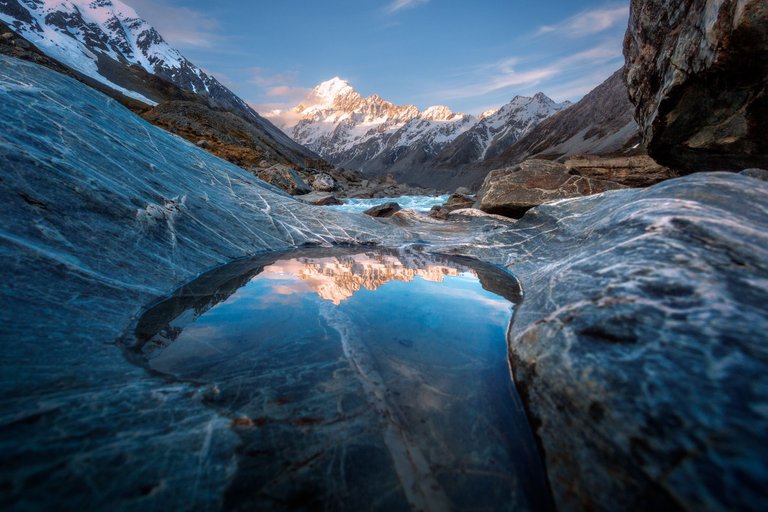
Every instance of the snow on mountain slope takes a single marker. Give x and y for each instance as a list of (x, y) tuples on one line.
[(107, 41), (374, 135), (350, 130), (92, 36), (497, 130)]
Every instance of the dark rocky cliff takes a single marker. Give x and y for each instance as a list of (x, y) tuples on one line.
[(697, 73)]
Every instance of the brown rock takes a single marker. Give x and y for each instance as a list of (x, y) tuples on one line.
[(633, 171), (285, 178), (323, 183), (697, 74), (514, 190), (383, 210)]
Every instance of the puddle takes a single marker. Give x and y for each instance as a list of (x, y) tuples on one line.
[(360, 379)]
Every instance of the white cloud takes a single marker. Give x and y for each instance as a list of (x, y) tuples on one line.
[(588, 22), (182, 27), (399, 5), (523, 75)]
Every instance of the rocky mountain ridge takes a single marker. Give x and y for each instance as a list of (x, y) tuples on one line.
[(107, 45), (376, 136)]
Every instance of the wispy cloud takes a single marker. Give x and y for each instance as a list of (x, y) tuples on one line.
[(265, 78), (400, 5), (588, 23), (182, 27), (523, 73)]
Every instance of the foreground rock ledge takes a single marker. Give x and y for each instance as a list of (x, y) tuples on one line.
[(642, 344)]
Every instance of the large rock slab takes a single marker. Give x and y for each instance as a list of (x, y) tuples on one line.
[(698, 77), (642, 343), (514, 190), (102, 215), (632, 171)]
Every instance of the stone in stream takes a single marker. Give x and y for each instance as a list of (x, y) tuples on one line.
[(320, 199), (631, 171), (383, 210), (758, 174), (456, 201)]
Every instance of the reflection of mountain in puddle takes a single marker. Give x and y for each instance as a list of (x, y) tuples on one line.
[(336, 279)]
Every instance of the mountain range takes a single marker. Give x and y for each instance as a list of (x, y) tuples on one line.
[(105, 44), (376, 136)]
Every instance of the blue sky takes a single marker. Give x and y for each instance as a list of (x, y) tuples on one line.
[(469, 55)]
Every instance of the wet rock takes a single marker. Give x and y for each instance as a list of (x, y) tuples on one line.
[(696, 73), (641, 344), (147, 212), (383, 210), (319, 199), (202, 143), (284, 178), (633, 171), (323, 183), (758, 174), (514, 190), (454, 202)]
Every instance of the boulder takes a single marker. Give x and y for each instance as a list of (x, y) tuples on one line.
[(512, 191), (319, 199), (383, 210), (641, 346), (696, 73), (323, 183), (285, 178), (454, 202), (632, 171), (463, 191)]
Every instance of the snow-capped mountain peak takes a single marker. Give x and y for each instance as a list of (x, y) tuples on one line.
[(331, 89), (440, 113), (373, 134), (488, 113)]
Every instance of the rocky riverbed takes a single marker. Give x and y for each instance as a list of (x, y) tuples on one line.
[(639, 350)]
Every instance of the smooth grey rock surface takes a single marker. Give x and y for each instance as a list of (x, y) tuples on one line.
[(642, 344), (103, 214)]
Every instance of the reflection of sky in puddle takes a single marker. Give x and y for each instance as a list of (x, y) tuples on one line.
[(387, 371)]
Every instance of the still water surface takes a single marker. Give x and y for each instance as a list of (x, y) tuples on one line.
[(357, 380)]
